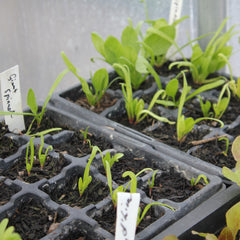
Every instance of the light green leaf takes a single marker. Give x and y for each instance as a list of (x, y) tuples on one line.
[(233, 219), (236, 148), (98, 43), (100, 80), (31, 101), (130, 38), (170, 237), (172, 88)]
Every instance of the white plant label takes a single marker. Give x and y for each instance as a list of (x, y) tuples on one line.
[(11, 98), (175, 14), (127, 211)]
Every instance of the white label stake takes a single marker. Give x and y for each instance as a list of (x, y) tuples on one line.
[(11, 98), (127, 211), (175, 14)]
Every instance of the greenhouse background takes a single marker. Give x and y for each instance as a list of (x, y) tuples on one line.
[(33, 33)]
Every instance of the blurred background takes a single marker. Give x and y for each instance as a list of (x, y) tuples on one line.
[(33, 33)]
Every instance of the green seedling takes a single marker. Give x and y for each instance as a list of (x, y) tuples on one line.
[(85, 137), (151, 182), (220, 107), (7, 233), (41, 156), (134, 106), (124, 52), (36, 113), (144, 212), (233, 85), (234, 175), (86, 180), (100, 82), (171, 90), (227, 145), (118, 189), (29, 165), (232, 226), (202, 64), (185, 125), (111, 159), (158, 40), (205, 107), (194, 181), (133, 176)]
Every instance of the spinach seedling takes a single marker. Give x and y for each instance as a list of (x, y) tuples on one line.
[(134, 106), (233, 85), (32, 103), (234, 175), (205, 107), (86, 180), (171, 90), (133, 176), (111, 159), (227, 145), (184, 126), (194, 181), (124, 52), (202, 64), (159, 37), (29, 165), (7, 233), (100, 82), (151, 182), (42, 157), (148, 206), (118, 189)]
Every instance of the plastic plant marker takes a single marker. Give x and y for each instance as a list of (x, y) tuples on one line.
[(175, 14), (11, 98), (127, 211)]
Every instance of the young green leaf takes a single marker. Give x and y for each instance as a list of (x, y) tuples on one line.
[(144, 212), (86, 180), (31, 101), (7, 233), (236, 148), (31, 146)]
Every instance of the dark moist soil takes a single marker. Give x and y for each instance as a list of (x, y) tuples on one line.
[(212, 152), (234, 131), (32, 220), (52, 167), (69, 195), (7, 145), (6, 192), (78, 147), (107, 219), (171, 185)]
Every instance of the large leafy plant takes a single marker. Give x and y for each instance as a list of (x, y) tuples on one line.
[(203, 63), (124, 52)]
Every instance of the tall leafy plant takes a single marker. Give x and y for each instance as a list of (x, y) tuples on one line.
[(203, 63), (124, 52)]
